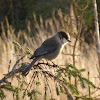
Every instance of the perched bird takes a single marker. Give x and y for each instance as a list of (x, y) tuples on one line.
[(50, 48)]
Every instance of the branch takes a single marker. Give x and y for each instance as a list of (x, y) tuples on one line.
[(61, 82), (68, 94), (25, 65), (14, 70)]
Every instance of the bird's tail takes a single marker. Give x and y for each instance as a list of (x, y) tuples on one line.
[(30, 66)]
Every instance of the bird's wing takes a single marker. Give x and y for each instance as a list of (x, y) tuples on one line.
[(47, 47), (30, 66), (43, 51)]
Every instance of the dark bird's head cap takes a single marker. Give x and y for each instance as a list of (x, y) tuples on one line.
[(65, 35)]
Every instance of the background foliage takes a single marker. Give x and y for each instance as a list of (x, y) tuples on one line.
[(20, 11)]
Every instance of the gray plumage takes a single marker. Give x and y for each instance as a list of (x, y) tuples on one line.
[(49, 49)]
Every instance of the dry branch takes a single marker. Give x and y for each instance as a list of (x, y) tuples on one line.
[(25, 65)]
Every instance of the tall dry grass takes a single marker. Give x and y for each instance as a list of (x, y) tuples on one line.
[(86, 55)]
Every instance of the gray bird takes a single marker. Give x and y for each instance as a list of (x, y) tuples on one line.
[(50, 48)]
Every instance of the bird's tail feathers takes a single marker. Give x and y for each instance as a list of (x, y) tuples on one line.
[(32, 57), (30, 66)]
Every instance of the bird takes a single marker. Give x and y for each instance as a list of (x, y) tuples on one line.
[(49, 49)]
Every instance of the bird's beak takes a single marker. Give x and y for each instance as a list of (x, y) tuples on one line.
[(69, 41)]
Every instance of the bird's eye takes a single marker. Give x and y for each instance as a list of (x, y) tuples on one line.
[(60, 37)]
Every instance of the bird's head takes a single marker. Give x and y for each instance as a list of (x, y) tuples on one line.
[(64, 37)]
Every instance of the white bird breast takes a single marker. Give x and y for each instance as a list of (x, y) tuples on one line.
[(64, 43)]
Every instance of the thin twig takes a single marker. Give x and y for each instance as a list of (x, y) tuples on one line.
[(17, 62)]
